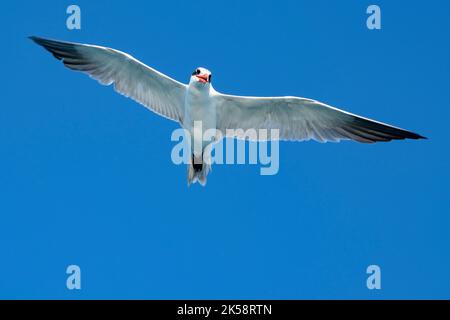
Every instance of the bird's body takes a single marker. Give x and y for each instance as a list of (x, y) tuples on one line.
[(198, 108), (200, 116)]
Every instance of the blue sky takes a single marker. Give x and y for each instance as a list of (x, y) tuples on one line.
[(86, 176)]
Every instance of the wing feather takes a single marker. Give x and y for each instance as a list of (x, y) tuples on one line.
[(131, 78), (301, 119)]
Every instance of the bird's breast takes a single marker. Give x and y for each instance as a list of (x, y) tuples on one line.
[(199, 107)]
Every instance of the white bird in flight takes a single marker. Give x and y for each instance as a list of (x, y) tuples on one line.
[(296, 118)]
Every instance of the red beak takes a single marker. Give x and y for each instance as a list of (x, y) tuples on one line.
[(203, 78)]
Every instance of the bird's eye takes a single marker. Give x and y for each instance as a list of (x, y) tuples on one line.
[(209, 78), (197, 71)]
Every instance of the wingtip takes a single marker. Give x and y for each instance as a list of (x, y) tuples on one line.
[(40, 41), (419, 137), (413, 135), (35, 39)]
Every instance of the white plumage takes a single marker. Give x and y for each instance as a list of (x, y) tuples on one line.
[(296, 118)]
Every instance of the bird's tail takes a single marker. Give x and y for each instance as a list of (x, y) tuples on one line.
[(198, 171)]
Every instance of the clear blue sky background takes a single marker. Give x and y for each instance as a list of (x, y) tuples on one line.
[(86, 176)]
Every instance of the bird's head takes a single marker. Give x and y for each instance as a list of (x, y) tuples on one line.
[(201, 75)]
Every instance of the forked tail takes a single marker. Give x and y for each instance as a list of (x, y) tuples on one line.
[(197, 171)]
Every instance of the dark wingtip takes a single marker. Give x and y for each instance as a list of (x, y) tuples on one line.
[(34, 38), (417, 136), (38, 40), (53, 46)]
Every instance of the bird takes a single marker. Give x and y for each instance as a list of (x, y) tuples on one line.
[(295, 118)]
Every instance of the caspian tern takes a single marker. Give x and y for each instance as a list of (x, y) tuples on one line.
[(296, 118)]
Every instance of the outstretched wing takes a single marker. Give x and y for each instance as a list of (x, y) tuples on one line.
[(130, 77), (301, 119)]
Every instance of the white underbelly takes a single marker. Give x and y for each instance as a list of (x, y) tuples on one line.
[(200, 122)]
